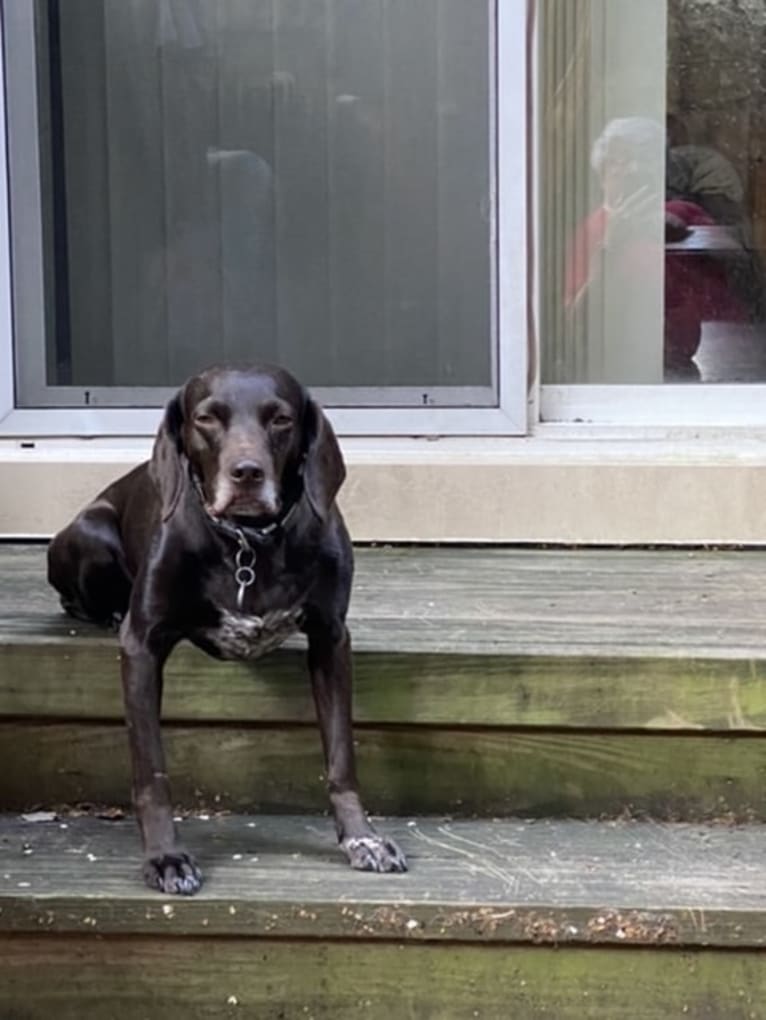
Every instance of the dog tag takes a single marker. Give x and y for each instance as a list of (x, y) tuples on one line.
[(244, 573)]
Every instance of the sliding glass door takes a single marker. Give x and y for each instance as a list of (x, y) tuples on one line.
[(308, 182)]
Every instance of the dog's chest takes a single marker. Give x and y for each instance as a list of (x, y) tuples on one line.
[(237, 636)]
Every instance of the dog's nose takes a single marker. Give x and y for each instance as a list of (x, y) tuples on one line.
[(247, 471)]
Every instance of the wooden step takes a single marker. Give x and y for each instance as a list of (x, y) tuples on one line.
[(283, 929), (488, 681)]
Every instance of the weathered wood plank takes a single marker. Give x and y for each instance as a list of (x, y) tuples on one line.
[(522, 671), (79, 680), (151, 978), (418, 770), (556, 882), (638, 603)]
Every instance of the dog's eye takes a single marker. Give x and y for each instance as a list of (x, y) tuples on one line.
[(204, 418), (281, 421)]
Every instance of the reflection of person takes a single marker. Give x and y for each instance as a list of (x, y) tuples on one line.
[(624, 158), (625, 230)]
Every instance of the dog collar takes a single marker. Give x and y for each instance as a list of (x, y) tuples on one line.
[(244, 561), (250, 535), (244, 568), (245, 537), (238, 533)]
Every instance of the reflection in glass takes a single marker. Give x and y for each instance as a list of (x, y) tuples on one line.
[(653, 194), (302, 181)]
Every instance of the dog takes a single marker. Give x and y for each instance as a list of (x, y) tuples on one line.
[(229, 537)]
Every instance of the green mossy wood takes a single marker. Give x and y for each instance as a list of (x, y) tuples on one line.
[(489, 682), (404, 770), (536, 682), (594, 639), (556, 882), (156, 978)]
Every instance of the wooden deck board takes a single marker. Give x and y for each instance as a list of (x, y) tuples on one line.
[(155, 978), (418, 770), (569, 732), (545, 882), (506, 681), (502, 601), (542, 655), (81, 681)]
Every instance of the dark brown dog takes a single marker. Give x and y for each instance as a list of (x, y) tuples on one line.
[(229, 537)]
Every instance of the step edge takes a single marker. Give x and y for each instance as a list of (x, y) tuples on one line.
[(376, 920)]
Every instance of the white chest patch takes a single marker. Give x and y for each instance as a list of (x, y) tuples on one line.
[(249, 637)]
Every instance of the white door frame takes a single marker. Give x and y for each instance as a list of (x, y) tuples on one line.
[(509, 156)]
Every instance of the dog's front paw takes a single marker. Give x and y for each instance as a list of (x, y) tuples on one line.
[(373, 853), (174, 873)]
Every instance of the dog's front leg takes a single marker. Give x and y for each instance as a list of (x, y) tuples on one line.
[(167, 867), (330, 669)]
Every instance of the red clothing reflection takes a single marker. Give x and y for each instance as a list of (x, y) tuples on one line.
[(696, 285)]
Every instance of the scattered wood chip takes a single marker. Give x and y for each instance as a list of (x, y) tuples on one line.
[(110, 814)]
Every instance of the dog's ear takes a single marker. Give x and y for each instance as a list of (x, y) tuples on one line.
[(323, 467), (167, 466)]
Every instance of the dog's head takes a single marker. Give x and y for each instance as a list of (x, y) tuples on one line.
[(251, 438)]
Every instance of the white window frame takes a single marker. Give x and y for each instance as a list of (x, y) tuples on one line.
[(703, 405), (509, 168), (700, 407), (636, 407)]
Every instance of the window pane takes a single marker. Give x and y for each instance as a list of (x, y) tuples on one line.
[(653, 194), (302, 181)]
